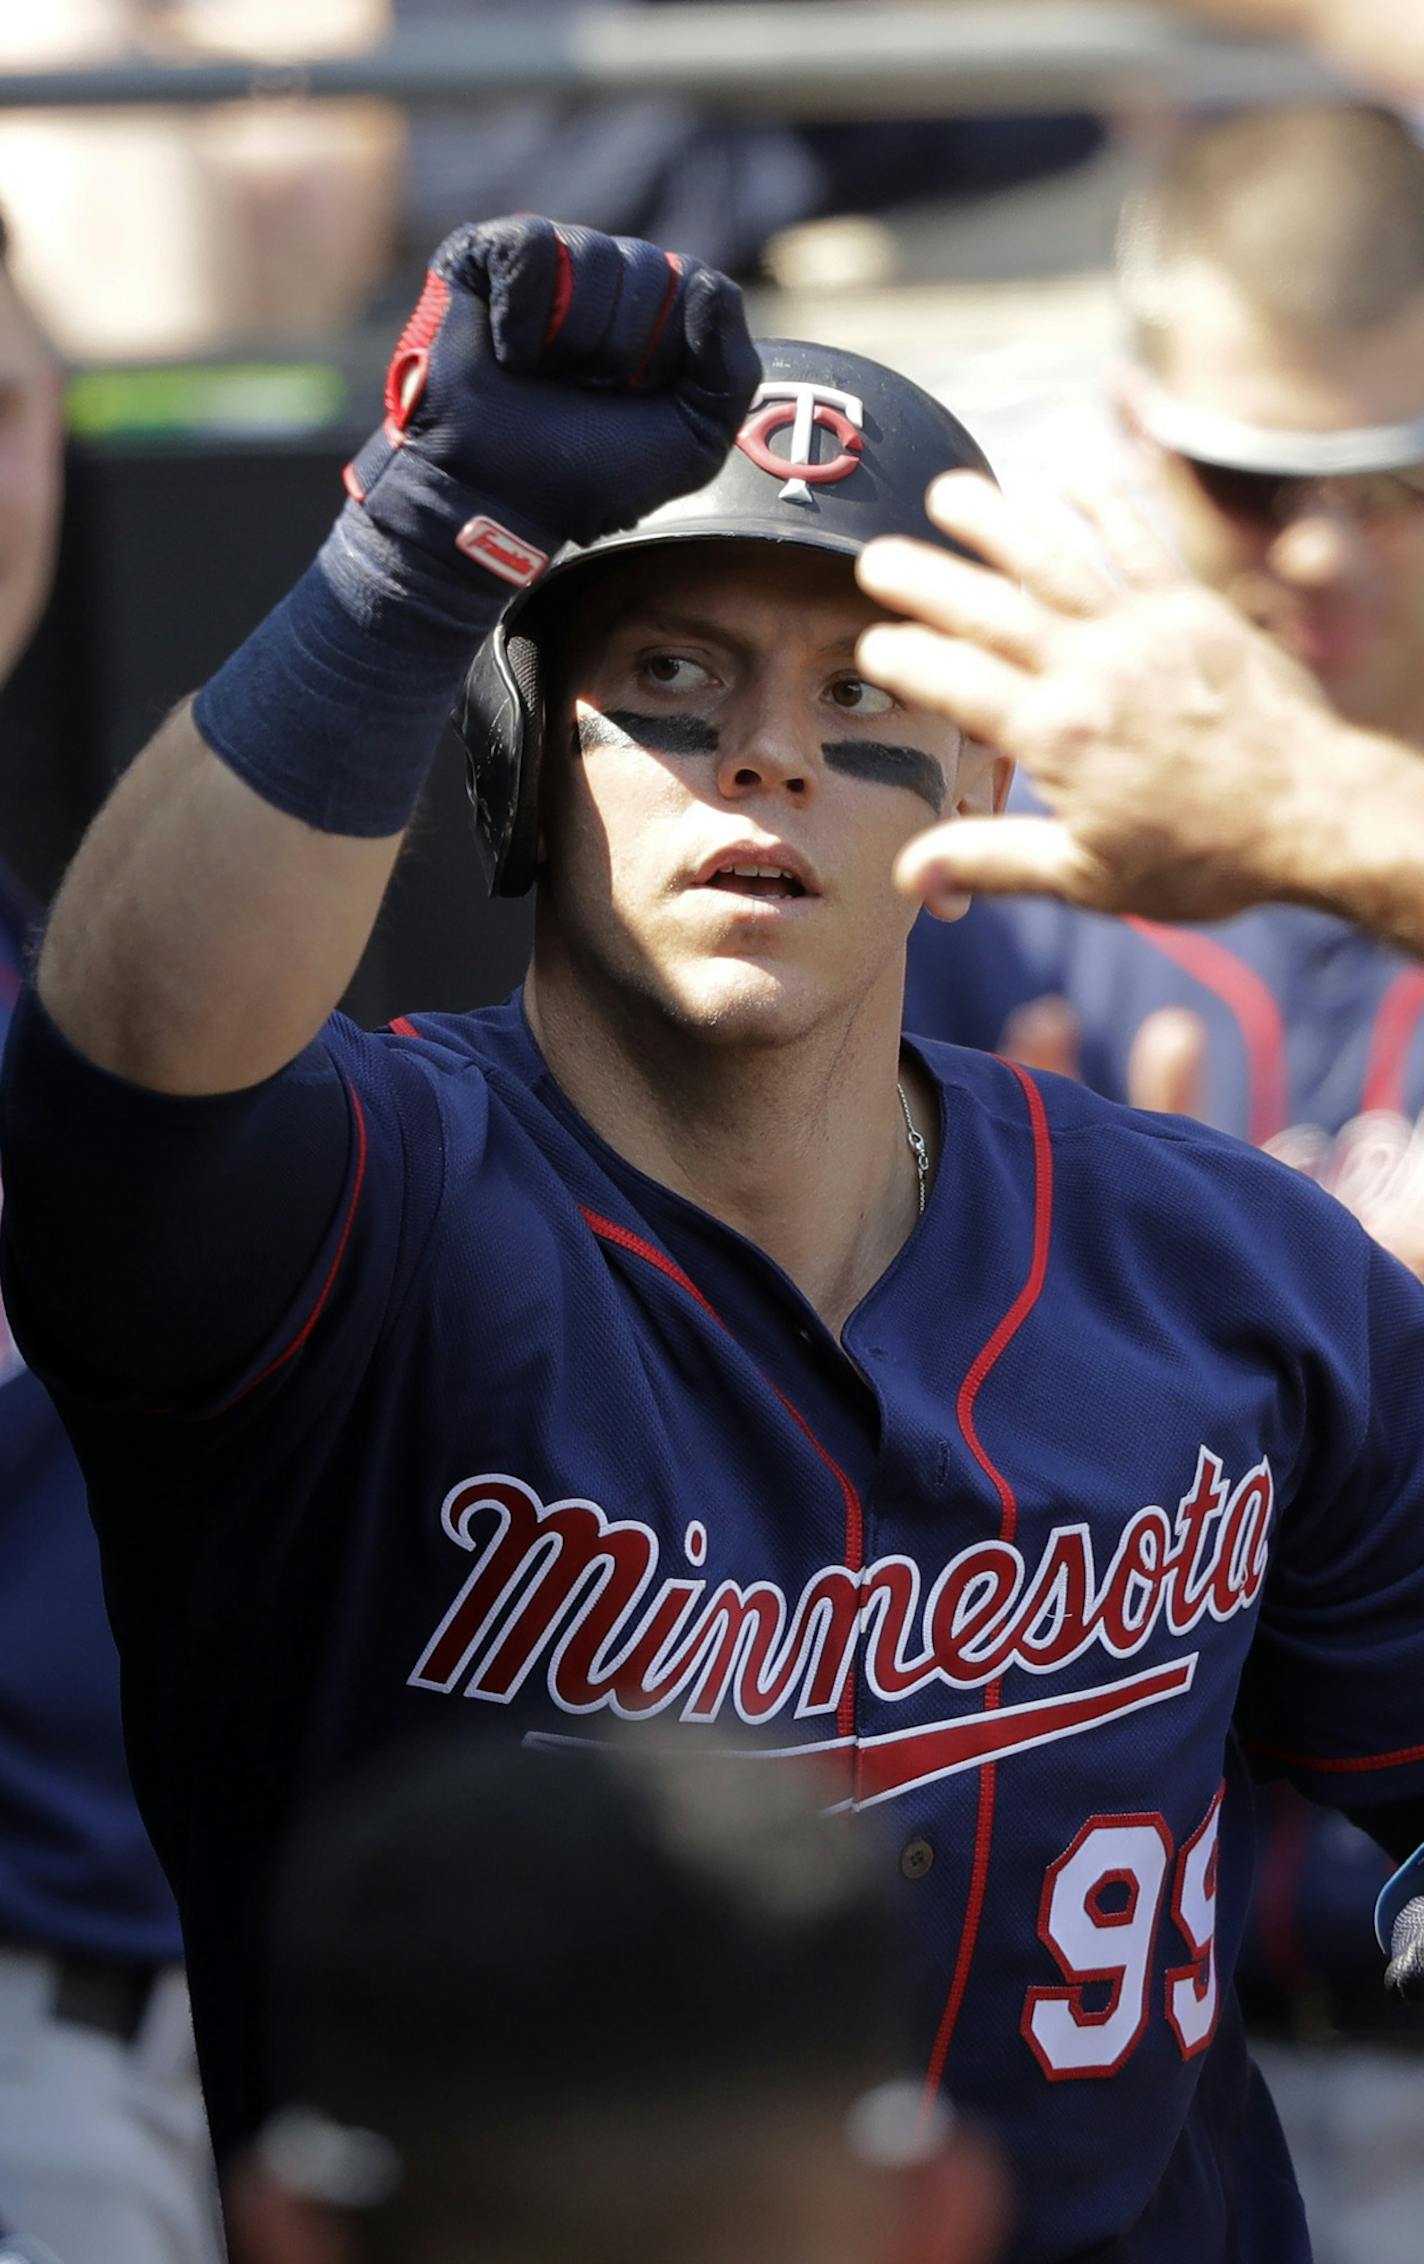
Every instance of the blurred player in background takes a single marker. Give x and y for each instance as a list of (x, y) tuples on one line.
[(581, 2008), (1274, 280), (103, 2145)]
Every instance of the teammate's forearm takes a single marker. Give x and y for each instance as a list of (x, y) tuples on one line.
[(202, 936), (1352, 842)]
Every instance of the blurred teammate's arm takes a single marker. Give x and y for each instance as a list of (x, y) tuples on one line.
[(1191, 767)]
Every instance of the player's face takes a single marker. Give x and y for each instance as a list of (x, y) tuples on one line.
[(720, 838), (29, 476), (1335, 571)]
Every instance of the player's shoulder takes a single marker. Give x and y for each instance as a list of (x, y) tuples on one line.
[(443, 1046), (1120, 1153)]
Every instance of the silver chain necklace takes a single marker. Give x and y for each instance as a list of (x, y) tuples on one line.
[(915, 1141)]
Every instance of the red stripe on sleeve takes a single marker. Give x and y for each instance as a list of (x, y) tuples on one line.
[(1396, 1020), (1354, 1764), (403, 1026), (331, 1272), (1257, 1014)]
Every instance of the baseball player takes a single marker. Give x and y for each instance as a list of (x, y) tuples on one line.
[(1276, 360), (675, 1342), (564, 2079)]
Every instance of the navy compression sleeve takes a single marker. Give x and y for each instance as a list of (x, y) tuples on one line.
[(153, 1240)]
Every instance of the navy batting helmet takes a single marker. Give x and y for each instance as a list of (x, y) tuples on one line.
[(834, 451)]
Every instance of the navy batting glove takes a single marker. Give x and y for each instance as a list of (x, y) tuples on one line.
[(551, 385)]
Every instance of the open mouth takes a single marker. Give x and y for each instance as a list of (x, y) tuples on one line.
[(765, 881)]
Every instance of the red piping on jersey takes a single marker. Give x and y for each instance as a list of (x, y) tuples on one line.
[(1022, 1305), (1352, 1765), (331, 1272), (608, 1230), (1257, 1015), (1396, 1019), (403, 1027), (1008, 1327)]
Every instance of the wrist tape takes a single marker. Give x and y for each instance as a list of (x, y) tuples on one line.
[(333, 708)]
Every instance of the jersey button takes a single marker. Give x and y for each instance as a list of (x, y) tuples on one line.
[(916, 1856)]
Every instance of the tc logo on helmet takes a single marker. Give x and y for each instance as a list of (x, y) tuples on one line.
[(804, 406)]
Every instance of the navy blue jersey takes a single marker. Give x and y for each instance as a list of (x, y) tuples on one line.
[(76, 1870), (1109, 1493)]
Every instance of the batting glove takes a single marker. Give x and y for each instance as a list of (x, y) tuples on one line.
[(552, 384)]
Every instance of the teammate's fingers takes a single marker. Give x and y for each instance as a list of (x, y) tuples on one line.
[(975, 689), (1019, 856), (1028, 546), (1137, 550), (952, 594), (1044, 1033), (1166, 1062)]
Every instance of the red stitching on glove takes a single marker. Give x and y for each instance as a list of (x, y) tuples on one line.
[(660, 325), (563, 291), (405, 378)]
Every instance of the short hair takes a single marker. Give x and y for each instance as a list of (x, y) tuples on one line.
[(1314, 212), (497, 1959)]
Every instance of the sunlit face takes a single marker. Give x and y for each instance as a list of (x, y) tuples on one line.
[(1341, 589), (724, 795), (30, 444)]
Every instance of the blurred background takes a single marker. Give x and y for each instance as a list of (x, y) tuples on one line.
[(220, 211)]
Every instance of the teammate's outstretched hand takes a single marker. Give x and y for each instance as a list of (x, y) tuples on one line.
[(551, 384), (1165, 734)]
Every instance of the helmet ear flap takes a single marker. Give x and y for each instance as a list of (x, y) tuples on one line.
[(500, 722)]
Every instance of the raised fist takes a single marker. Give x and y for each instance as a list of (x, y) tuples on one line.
[(551, 384)]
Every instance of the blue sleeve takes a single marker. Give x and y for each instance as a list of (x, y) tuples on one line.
[(153, 1244), (1333, 1693)]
